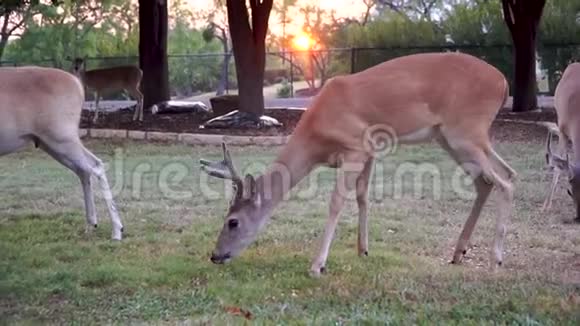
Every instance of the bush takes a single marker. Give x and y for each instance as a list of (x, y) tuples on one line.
[(284, 90)]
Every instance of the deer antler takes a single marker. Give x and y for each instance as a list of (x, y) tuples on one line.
[(224, 169)]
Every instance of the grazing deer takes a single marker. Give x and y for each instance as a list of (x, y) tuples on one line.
[(43, 106), (126, 78), (567, 104), (451, 98)]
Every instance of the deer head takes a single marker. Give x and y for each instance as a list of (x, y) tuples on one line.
[(246, 214), (563, 164), (78, 66)]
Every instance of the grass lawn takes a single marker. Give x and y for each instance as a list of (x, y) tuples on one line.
[(51, 272)]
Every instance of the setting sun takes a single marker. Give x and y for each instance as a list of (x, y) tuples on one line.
[(303, 42)]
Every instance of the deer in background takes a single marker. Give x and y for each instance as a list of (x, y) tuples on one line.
[(567, 104), (126, 78), (451, 98), (43, 106)]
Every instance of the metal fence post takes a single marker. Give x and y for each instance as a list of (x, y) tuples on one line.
[(291, 76), (352, 60), (227, 63)]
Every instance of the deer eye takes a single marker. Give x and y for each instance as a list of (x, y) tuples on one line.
[(233, 223), (569, 192)]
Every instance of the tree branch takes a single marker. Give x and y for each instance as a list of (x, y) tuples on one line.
[(508, 14), (292, 62), (3, 32), (238, 19), (260, 15)]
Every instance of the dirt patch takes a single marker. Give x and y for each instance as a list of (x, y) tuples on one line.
[(517, 132), (190, 123)]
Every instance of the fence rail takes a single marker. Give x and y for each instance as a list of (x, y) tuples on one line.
[(301, 73)]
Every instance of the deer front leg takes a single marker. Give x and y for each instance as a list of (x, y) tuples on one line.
[(483, 189), (548, 201), (135, 93), (344, 184), (362, 194)]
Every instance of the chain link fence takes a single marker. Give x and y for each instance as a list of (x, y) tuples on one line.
[(302, 73)]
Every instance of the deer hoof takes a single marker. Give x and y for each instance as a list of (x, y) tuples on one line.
[(316, 272), (89, 229), (117, 235), (458, 257), (494, 266)]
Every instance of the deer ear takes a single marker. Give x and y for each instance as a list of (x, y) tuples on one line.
[(560, 163), (251, 188), (572, 170)]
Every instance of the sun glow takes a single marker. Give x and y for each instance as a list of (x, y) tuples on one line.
[(303, 42)]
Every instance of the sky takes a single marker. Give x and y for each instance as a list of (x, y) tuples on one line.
[(343, 8)]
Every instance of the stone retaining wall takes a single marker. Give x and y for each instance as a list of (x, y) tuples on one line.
[(213, 139), (183, 138)]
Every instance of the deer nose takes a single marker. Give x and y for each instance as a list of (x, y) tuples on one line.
[(219, 259)]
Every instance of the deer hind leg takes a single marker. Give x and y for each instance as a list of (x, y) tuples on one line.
[(548, 201), (362, 194), (98, 169), (76, 157), (135, 93), (345, 183), (562, 149), (477, 164), (71, 156), (509, 171)]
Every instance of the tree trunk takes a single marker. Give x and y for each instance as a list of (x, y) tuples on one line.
[(249, 46), (4, 35), (522, 19), (153, 51), (250, 76), (3, 43), (525, 85)]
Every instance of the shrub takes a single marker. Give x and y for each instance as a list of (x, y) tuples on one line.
[(284, 90)]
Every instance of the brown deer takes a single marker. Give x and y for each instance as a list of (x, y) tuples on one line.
[(451, 98), (126, 78), (567, 104), (43, 106)]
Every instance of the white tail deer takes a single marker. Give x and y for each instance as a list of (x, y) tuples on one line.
[(43, 106), (567, 104), (449, 97), (126, 78)]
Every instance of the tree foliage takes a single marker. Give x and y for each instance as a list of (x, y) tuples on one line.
[(560, 25), (107, 33)]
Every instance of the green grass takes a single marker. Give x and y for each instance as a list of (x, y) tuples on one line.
[(51, 272)]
